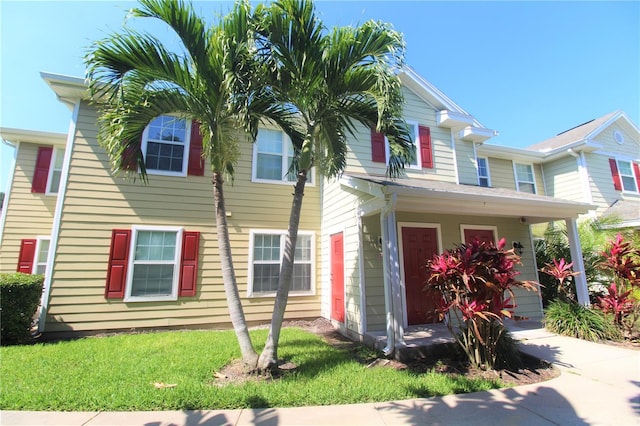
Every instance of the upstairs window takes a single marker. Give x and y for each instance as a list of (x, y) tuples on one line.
[(525, 181), (272, 156), (423, 148), (48, 170), (627, 176), (266, 259), (483, 172), (165, 144)]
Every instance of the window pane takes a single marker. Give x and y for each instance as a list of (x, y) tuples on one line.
[(625, 168), (44, 251), (301, 277), (265, 278), (269, 167), (155, 245), (484, 181), (527, 187), (303, 248), (152, 280), (270, 141), (628, 183), (266, 247), (416, 143), (55, 181)]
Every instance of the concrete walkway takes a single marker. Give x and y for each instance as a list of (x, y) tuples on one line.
[(598, 385)]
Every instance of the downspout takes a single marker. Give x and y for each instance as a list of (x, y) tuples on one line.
[(455, 156), (386, 272), (7, 193), (363, 301), (57, 218)]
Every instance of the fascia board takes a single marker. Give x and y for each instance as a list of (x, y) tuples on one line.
[(370, 188), (32, 136), (613, 119), (68, 89), (510, 153)]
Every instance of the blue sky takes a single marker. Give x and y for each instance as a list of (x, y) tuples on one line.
[(527, 69)]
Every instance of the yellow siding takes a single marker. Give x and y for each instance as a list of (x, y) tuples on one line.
[(97, 202), (467, 167), (502, 173), (563, 180), (28, 215)]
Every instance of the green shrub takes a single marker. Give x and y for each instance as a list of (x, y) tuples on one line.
[(19, 298), (572, 319)]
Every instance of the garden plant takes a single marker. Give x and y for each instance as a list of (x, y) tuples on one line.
[(476, 281)]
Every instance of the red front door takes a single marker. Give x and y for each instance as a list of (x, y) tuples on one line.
[(419, 245), (484, 235), (337, 277)]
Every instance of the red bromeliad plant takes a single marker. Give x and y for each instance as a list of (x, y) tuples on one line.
[(622, 260), (476, 282), (561, 271)]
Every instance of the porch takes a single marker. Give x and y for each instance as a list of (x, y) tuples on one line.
[(434, 340)]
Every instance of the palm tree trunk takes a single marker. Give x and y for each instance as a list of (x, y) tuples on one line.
[(269, 356), (249, 355)]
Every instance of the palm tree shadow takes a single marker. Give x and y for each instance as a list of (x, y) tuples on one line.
[(501, 406)]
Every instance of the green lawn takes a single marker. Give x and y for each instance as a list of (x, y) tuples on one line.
[(119, 372)]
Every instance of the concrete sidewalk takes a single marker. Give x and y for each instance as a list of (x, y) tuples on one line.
[(599, 385)]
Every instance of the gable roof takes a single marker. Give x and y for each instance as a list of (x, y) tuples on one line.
[(582, 132)]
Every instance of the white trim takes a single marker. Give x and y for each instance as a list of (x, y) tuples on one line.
[(57, 217), (454, 153), (185, 154), (517, 179), (176, 262), (286, 143), (362, 327), (7, 194), (54, 156), (282, 233), (403, 287), (493, 228)]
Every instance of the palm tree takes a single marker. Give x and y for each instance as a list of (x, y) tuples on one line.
[(135, 78), (331, 81)]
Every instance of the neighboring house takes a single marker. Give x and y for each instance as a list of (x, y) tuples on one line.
[(124, 255), (597, 162)]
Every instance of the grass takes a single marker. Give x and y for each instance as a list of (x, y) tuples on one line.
[(117, 373)]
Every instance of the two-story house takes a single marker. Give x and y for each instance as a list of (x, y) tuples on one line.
[(119, 255)]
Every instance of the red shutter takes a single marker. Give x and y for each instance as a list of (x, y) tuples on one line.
[(425, 147), (129, 160), (617, 182), (378, 147), (26, 256), (196, 162), (636, 170), (118, 262), (189, 263), (41, 173)]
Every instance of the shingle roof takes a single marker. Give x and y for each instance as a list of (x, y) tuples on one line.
[(572, 135), (625, 210)]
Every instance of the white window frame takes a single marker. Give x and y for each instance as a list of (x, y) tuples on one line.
[(282, 234), (58, 153), (36, 263), (487, 176), (131, 264), (185, 157), (416, 145), (518, 180), (632, 176)]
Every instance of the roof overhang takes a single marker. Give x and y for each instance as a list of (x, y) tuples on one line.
[(32, 136), (427, 196), (69, 90), (476, 134), (509, 153)]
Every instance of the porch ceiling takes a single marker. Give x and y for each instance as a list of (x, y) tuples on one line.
[(429, 196)]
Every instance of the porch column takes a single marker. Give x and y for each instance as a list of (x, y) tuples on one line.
[(582, 292), (394, 275)]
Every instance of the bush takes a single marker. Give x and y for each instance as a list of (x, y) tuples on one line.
[(572, 319), (19, 298)]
